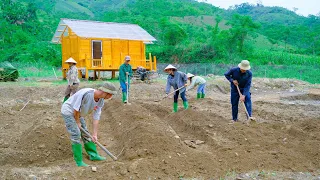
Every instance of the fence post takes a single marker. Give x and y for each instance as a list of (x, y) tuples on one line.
[(205, 70)]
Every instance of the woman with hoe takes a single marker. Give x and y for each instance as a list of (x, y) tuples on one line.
[(72, 77), (197, 81), (177, 80)]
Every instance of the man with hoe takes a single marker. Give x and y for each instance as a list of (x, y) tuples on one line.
[(74, 110), (240, 77), (125, 72)]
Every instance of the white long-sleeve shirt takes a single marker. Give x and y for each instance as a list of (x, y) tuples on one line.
[(72, 75), (195, 81)]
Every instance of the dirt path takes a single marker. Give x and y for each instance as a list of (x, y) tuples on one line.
[(193, 143)]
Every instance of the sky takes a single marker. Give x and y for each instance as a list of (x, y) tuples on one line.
[(305, 7)]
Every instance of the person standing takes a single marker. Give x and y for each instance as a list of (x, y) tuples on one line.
[(72, 77), (75, 109), (177, 79), (240, 76), (125, 72), (197, 81)]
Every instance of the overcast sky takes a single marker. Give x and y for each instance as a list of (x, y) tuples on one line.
[(305, 7)]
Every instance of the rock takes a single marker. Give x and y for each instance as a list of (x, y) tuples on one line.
[(4, 145), (33, 177), (274, 152), (190, 143), (210, 125), (291, 90), (291, 85), (242, 176), (94, 169), (41, 146), (176, 136), (199, 142), (123, 172)]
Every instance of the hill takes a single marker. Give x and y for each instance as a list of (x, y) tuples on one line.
[(187, 31)]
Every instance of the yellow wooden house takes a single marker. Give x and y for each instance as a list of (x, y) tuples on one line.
[(102, 46)]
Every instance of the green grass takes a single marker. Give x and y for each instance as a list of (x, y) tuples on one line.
[(69, 6), (306, 73), (282, 58), (37, 70), (309, 73)]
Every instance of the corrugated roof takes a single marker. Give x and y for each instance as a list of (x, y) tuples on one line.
[(96, 29)]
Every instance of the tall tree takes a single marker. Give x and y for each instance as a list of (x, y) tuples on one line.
[(242, 26)]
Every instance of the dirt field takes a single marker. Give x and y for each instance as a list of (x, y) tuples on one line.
[(196, 143)]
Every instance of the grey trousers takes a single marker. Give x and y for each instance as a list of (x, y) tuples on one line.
[(74, 131), (71, 90)]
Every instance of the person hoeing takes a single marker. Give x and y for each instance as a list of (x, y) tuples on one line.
[(177, 80), (75, 109)]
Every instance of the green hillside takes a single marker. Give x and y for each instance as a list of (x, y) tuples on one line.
[(187, 31)]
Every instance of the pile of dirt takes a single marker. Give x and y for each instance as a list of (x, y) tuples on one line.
[(155, 143)]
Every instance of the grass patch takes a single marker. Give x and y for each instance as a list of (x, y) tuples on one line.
[(37, 70), (309, 73)]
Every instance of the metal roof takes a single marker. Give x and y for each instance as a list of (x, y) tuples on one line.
[(96, 29)]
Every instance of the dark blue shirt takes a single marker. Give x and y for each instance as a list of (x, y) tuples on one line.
[(244, 79)]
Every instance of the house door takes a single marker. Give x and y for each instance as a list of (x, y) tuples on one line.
[(96, 53)]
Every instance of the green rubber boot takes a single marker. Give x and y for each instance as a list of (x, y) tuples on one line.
[(175, 107), (65, 98), (77, 155), (185, 104), (203, 95), (198, 95), (91, 149), (124, 97)]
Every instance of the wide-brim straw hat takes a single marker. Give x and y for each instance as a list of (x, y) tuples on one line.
[(169, 67), (189, 75), (127, 58), (245, 65), (108, 88), (71, 60)]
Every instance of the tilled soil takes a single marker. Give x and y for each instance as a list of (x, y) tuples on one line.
[(155, 143)]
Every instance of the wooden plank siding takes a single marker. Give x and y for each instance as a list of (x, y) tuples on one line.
[(113, 52)]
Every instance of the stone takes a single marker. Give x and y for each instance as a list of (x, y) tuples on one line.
[(274, 152), (94, 169), (210, 125), (190, 143), (33, 177), (199, 142), (41, 146)]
